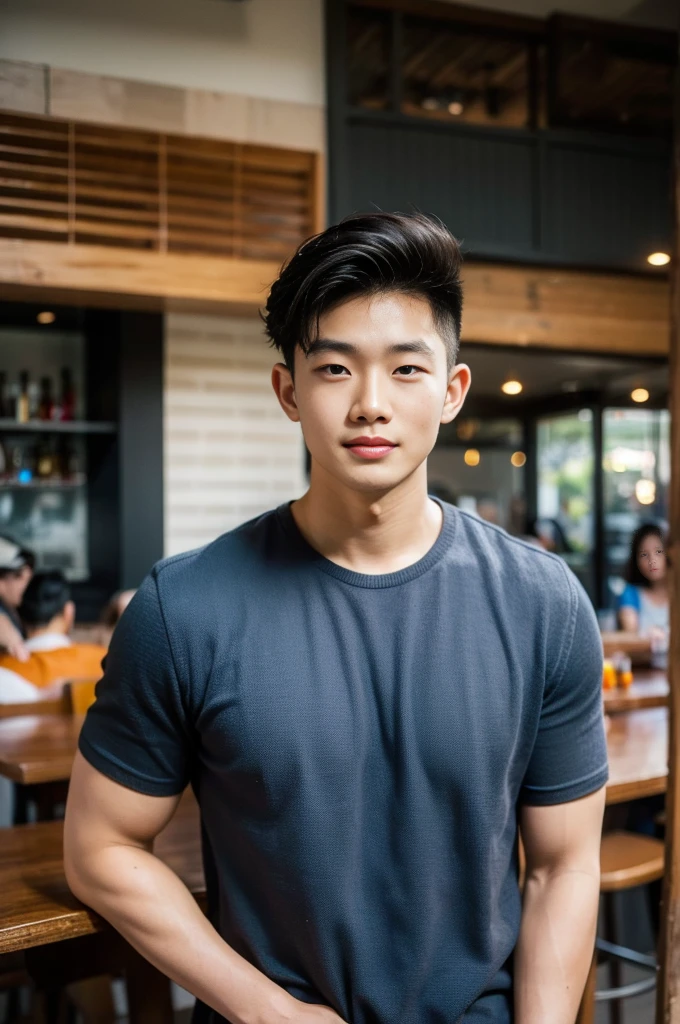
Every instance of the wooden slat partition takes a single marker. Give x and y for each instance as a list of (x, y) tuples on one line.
[(63, 181)]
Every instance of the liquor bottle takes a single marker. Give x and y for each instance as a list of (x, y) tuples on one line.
[(23, 408), (68, 396), (45, 461), (46, 405)]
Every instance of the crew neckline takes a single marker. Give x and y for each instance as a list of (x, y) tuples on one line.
[(371, 581)]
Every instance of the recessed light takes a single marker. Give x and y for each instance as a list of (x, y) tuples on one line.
[(46, 317), (658, 259), (511, 387), (645, 492), (639, 395), (456, 108), (472, 457), (518, 459)]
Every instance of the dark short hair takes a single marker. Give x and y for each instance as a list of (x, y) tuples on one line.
[(366, 254), (632, 572), (45, 596)]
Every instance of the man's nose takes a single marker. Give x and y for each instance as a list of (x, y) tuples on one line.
[(371, 401)]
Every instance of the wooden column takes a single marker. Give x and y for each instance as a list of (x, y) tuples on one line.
[(668, 992)]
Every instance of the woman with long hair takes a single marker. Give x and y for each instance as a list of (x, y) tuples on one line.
[(643, 606)]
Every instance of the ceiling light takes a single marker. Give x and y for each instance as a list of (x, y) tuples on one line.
[(511, 387), (639, 395), (430, 103), (456, 108), (645, 492), (46, 317), (518, 459), (472, 457), (658, 259)]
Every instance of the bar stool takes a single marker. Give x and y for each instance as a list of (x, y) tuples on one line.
[(626, 860)]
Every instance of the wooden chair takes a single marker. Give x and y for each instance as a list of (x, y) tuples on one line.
[(57, 706), (626, 860), (80, 695)]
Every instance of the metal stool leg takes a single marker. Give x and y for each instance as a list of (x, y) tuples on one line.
[(609, 910)]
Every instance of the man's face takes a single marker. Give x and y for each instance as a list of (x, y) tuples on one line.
[(13, 584), (377, 369)]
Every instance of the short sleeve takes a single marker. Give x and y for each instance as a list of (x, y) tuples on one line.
[(137, 731), (630, 598), (569, 758)]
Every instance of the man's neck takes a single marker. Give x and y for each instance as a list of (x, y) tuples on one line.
[(372, 533)]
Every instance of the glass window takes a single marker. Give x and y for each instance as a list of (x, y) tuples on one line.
[(478, 464), (453, 74), (565, 454), (636, 470), (368, 58)]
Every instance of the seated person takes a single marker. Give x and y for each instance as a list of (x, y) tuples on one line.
[(16, 569), (47, 614), (643, 606)]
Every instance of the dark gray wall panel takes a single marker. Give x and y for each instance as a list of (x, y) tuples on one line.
[(606, 207), (481, 186)]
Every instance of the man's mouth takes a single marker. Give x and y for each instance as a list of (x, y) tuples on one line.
[(368, 447)]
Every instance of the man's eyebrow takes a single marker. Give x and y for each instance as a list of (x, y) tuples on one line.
[(347, 348)]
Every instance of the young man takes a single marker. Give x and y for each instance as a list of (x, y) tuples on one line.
[(366, 689), (47, 614)]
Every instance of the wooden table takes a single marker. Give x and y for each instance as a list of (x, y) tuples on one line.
[(36, 748), (38, 912), (637, 746), (648, 690)]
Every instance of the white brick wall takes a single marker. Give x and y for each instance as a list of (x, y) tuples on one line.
[(230, 452)]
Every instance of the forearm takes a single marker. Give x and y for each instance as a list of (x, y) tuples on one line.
[(149, 905), (555, 947)]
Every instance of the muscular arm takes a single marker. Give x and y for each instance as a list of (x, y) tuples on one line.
[(559, 915), (109, 865)]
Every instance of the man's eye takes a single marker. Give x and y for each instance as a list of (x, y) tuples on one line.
[(333, 369), (408, 371)]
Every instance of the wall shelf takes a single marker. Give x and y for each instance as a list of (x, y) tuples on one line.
[(8, 426)]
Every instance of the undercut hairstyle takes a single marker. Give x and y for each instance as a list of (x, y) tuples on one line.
[(45, 597), (632, 572), (367, 254)]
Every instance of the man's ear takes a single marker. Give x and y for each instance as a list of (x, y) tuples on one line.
[(456, 392), (284, 388), (69, 615)]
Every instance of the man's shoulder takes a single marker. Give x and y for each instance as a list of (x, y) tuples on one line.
[(515, 551), (229, 556)]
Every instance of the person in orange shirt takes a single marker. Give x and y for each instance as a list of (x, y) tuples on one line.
[(47, 614)]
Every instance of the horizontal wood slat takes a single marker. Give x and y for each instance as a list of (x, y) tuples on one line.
[(66, 181)]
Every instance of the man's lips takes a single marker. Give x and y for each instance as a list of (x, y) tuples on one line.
[(370, 447)]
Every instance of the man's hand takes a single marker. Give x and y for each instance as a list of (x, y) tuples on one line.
[(312, 1013), (11, 639)]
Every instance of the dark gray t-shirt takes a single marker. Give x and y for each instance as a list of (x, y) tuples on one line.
[(359, 746)]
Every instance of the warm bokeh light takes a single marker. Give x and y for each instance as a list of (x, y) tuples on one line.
[(472, 457), (658, 259), (46, 317), (511, 387), (639, 395), (518, 459), (645, 492)]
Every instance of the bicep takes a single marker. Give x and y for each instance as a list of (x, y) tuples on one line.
[(563, 836), (101, 813)]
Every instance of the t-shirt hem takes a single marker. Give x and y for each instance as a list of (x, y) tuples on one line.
[(564, 794), (126, 776)]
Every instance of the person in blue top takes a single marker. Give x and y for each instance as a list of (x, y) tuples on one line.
[(368, 690), (643, 605)]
